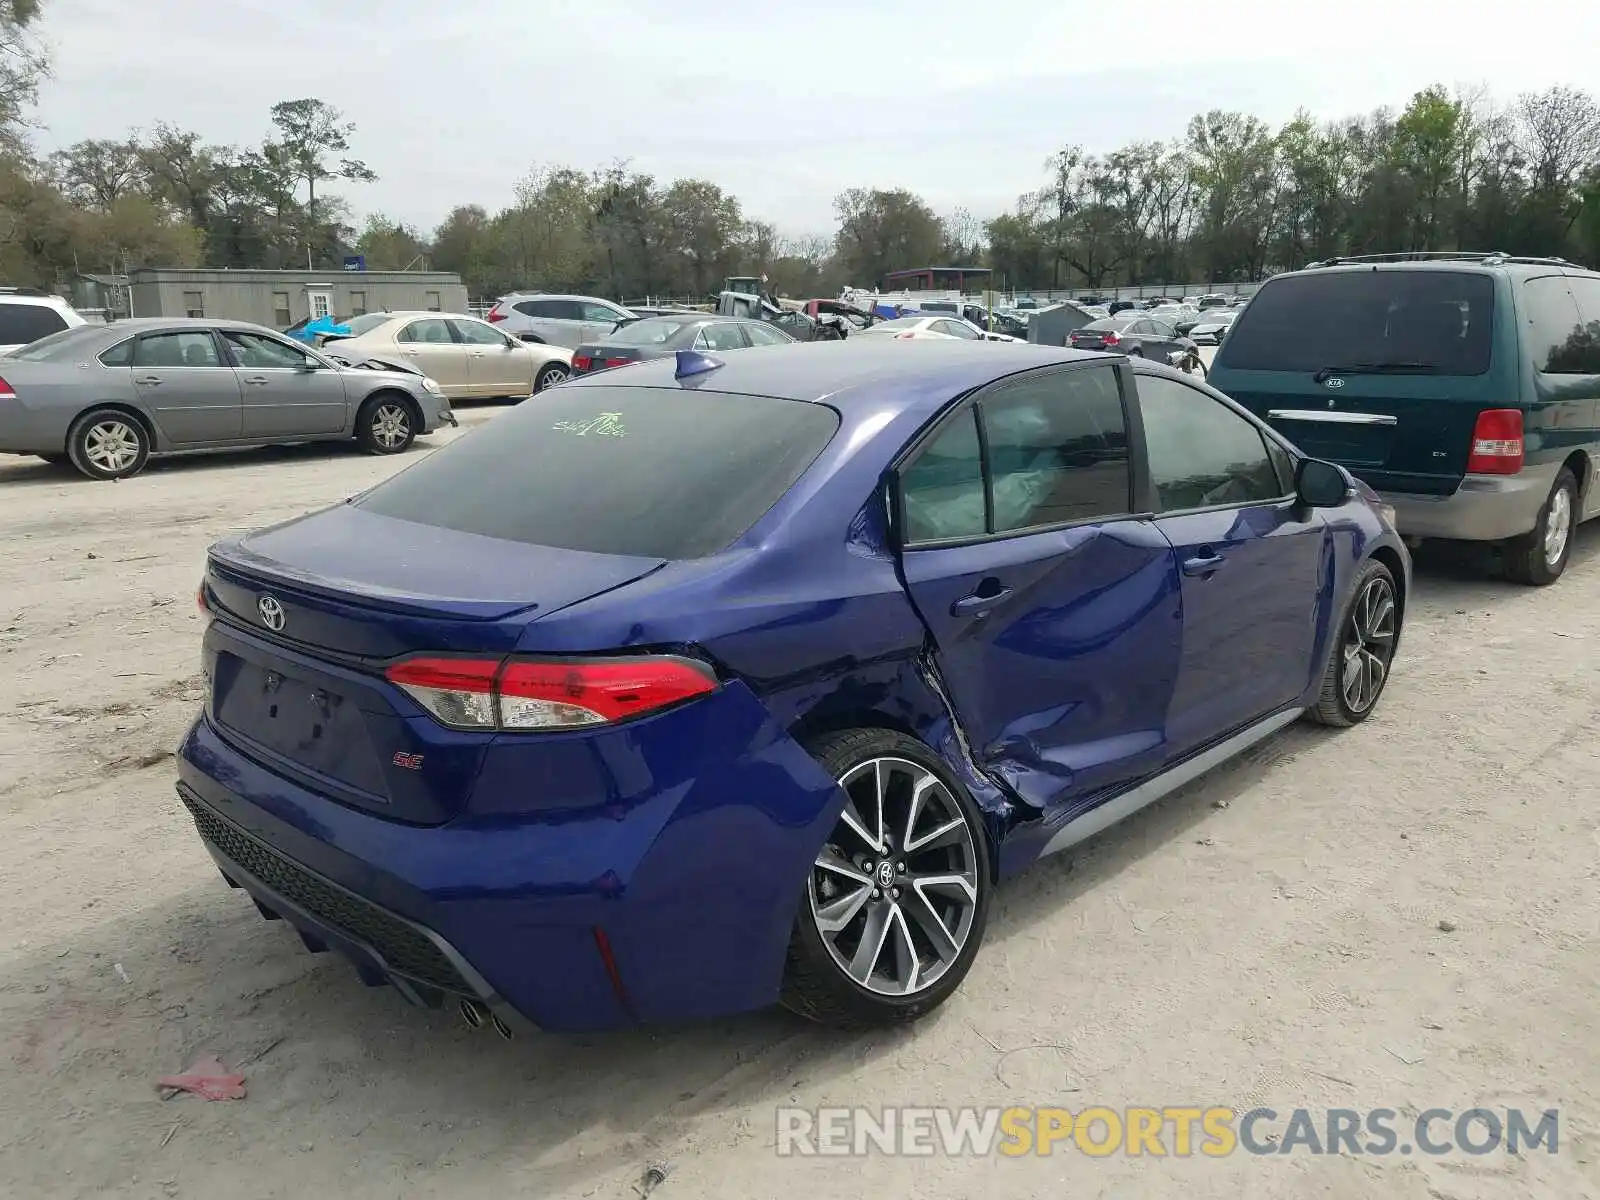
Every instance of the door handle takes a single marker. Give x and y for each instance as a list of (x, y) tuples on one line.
[(990, 593), (1204, 563), (256, 381), (148, 381)]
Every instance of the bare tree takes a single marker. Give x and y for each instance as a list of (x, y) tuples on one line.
[(1558, 132)]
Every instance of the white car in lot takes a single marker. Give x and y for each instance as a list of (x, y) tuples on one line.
[(937, 326), (568, 321), (26, 315)]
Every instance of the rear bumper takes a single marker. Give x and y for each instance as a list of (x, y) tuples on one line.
[(1485, 508), (670, 905)]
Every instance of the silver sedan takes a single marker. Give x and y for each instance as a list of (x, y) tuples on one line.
[(106, 397)]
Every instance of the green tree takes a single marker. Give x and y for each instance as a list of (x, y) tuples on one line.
[(312, 136), (883, 231), (390, 245)]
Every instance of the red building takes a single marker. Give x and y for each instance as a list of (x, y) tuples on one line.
[(938, 279)]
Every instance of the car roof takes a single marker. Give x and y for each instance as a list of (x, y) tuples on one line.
[(1466, 264), (856, 372), (558, 296), (35, 301)]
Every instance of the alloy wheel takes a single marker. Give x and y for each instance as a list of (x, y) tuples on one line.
[(894, 892), (1557, 526), (112, 446), (551, 376), (1368, 645), (391, 426)]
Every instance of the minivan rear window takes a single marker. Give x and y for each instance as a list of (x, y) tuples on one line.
[(650, 472), (1437, 322)]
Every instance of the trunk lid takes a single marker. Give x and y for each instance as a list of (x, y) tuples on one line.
[(309, 613), (1399, 432), (591, 357)]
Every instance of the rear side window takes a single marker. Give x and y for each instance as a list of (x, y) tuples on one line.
[(1437, 322), (1054, 450), (651, 472), (23, 323), (1578, 352)]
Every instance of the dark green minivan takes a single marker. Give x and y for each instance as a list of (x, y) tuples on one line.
[(1464, 388)]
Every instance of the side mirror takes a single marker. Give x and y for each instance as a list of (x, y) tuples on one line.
[(1319, 484), (307, 366)]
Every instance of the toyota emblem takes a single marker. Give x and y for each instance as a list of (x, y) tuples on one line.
[(1334, 382), (271, 612)]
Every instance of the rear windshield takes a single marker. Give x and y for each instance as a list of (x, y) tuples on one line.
[(1427, 320), (366, 323), (47, 346), (652, 331), (652, 472)]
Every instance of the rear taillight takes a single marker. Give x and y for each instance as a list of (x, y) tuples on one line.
[(581, 362), (522, 695), (903, 337), (494, 315), (618, 362), (200, 601), (7, 392), (1110, 338), (1496, 442)]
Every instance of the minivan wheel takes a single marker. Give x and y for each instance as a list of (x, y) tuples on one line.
[(1362, 650), (1540, 556), (895, 904)]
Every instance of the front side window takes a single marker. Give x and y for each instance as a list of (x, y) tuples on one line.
[(1202, 454), (599, 312), (254, 352), (433, 332), (720, 337), (475, 334), (188, 349), (766, 335)]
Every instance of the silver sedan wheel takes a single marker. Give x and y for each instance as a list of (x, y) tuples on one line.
[(391, 426), (1557, 526), (550, 376), (112, 446), (1368, 645), (894, 892)]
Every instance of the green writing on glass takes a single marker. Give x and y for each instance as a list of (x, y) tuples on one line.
[(603, 425)]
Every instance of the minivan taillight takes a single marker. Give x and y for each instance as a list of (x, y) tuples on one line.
[(521, 695), (1496, 442)]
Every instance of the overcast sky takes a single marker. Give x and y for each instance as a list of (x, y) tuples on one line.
[(784, 104)]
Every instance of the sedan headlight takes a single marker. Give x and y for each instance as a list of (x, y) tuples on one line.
[(1387, 512), (429, 384)]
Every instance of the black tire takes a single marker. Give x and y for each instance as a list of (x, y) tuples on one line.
[(1334, 705), (816, 986), (386, 424), (108, 443), (1527, 558), (1136, 353), (549, 375)]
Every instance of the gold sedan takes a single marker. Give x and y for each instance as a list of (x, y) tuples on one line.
[(468, 358)]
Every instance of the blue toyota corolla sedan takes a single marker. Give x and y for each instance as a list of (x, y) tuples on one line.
[(705, 684)]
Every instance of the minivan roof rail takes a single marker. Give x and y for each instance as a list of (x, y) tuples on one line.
[(1483, 256), (22, 291)]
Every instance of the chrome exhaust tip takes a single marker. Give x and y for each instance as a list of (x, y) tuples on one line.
[(500, 1026), (472, 1013)]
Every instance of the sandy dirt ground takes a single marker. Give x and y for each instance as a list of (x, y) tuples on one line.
[(1271, 935)]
